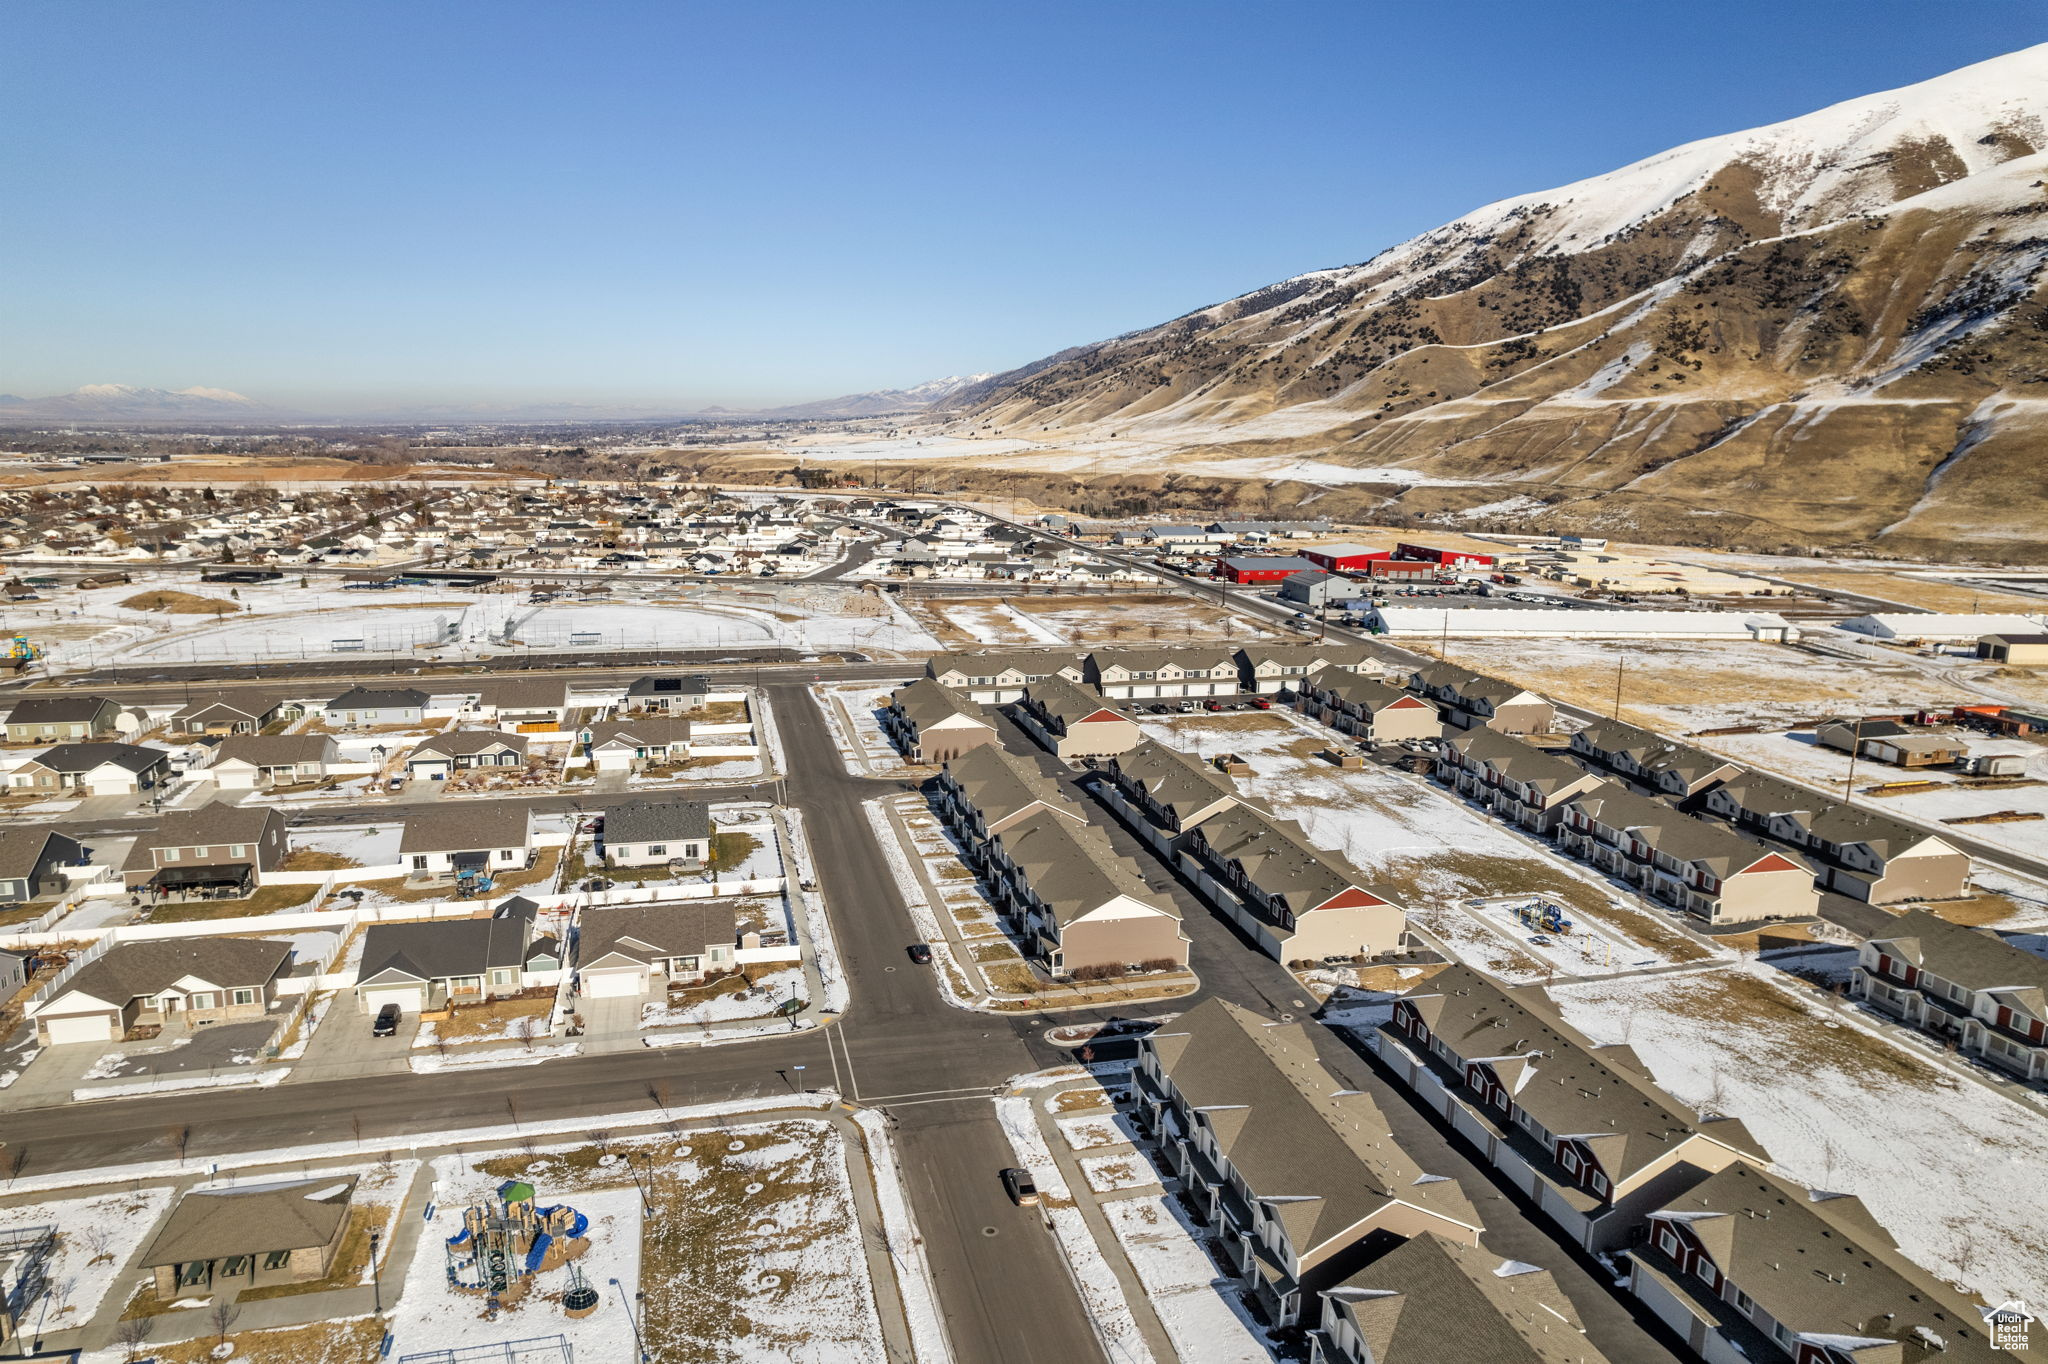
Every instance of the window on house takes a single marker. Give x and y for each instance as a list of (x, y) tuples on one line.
[(1743, 1302), (277, 1259), (199, 853), (657, 850), (244, 996), (419, 862), (204, 999), (238, 850), (233, 1266), (688, 964), (506, 854), (1666, 1242), (170, 854), (191, 1274)]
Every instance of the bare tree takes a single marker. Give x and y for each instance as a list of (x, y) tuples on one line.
[(223, 1317), (130, 1332), (12, 1158), (99, 1239), (601, 1138), (180, 1138), (524, 1028), (355, 1125)]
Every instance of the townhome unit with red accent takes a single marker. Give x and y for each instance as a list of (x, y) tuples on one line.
[(1702, 868), (1368, 708), (1125, 674), (1581, 1129), (1070, 721), (1747, 1268), (1161, 792), (1962, 984), (1525, 785), (1298, 902), (1468, 700)]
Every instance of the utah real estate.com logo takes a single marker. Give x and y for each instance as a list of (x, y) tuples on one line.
[(2009, 1323)]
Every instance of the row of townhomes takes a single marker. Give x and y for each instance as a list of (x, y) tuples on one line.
[(1326, 1222), (1298, 902), (1074, 904), (1739, 1263), (1145, 674), (1630, 802), (1965, 985)]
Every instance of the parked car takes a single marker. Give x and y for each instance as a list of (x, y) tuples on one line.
[(386, 1024), (1262, 702), (395, 784), (1213, 705), (1019, 1186), (921, 953)]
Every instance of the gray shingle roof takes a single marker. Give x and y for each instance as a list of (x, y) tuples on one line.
[(445, 947), (1505, 1312), (465, 827), (146, 968), (462, 743), (655, 821), (86, 757), (56, 710), (212, 1224), (647, 933)]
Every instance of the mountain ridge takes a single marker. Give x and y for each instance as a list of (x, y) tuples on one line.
[(1692, 346)]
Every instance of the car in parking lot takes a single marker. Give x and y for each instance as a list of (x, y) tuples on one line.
[(1262, 703), (1018, 1184), (921, 953), (386, 1023)]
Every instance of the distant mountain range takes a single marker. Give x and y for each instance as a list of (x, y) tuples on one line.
[(1830, 330), (125, 403)]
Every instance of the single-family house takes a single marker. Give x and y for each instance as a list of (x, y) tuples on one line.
[(527, 704), (1745, 1266), (30, 858), (223, 1239), (1581, 1129), (1961, 984), (931, 723), (636, 742), (360, 707), (216, 852), (1072, 722), (55, 719), (653, 833), (187, 982), (425, 967), (464, 841), (224, 712), (249, 761), (665, 694), (626, 950), (460, 750), (96, 769), (1292, 1168)]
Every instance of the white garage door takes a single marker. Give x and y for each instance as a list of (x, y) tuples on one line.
[(614, 984), (111, 786), (84, 1028), (406, 997), (615, 761)]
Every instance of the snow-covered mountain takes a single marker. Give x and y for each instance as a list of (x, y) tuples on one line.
[(1827, 329), (884, 402), (123, 402)]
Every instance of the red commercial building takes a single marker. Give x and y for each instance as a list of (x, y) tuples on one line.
[(1258, 568), (1424, 570), (1449, 558), (1340, 558)]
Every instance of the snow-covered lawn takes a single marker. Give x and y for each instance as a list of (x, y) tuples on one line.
[(367, 845), (1200, 1309), (1107, 1174), (853, 704), (1955, 1172), (95, 1236), (760, 1001), (1086, 1133)]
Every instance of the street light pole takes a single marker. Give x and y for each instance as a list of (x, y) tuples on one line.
[(639, 1349), (376, 1275)]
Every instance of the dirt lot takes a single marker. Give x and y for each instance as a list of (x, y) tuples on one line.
[(1908, 591), (1139, 618), (173, 603)]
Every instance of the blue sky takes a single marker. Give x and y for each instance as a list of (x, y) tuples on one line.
[(354, 207)]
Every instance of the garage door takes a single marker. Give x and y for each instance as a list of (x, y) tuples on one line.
[(82, 1028), (116, 786), (406, 997), (614, 984), (614, 762)]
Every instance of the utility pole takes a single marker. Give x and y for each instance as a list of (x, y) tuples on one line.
[(1619, 664)]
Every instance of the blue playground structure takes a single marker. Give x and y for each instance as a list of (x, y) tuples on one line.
[(504, 1243), (1542, 915)]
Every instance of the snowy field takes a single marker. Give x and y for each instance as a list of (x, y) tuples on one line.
[(760, 1001), (95, 1236), (1839, 1107), (998, 623), (850, 714), (284, 621)]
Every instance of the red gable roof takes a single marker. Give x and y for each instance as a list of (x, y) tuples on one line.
[(1098, 715), (1772, 863), (1353, 898), (1405, 703)]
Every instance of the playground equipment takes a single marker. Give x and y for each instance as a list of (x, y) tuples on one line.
[(21, 653), (1541, 915), (504, 1243)]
